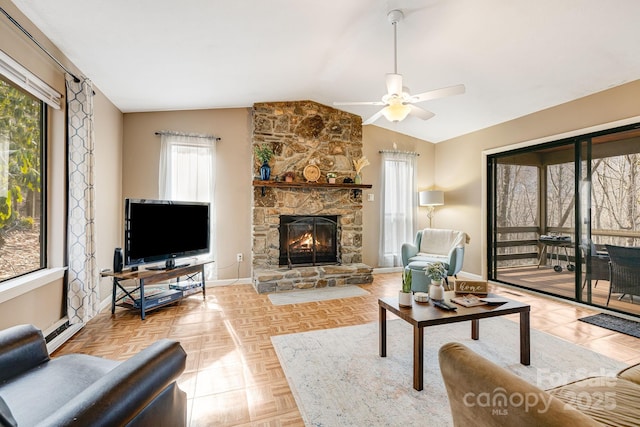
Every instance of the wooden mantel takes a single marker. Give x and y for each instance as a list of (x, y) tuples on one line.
[(283, 184)]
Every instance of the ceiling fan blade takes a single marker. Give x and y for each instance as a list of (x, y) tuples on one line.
[(373, 118), (394, 84), (439, 93), (360, 103), (420, 113)]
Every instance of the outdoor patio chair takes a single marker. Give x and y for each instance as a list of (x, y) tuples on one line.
[(624, 275), (599, 263)]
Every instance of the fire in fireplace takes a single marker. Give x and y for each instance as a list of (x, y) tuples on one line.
[(308, 240)]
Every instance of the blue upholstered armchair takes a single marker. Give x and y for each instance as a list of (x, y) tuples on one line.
[(432, 245)]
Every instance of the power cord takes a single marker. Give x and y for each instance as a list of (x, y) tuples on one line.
[(237, 264)]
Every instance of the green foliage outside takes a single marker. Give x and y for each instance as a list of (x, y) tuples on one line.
[(20, 124)]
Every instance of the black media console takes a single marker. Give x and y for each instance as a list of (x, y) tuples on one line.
[(193, 281)]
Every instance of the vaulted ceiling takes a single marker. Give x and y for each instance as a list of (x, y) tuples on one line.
[(515, 57)]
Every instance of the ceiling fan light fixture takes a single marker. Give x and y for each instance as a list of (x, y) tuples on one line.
[(396, 112), (398, 101)]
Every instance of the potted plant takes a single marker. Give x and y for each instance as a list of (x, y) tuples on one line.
[(264, 153), (437, 273), (331, 177), (288, 176), (404, 296)]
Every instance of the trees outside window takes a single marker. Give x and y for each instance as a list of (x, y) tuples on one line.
[(556, 204), (21, 182)]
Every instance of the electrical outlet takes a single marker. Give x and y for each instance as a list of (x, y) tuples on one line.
[(239, 257)]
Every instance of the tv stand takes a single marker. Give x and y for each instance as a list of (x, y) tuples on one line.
[(166, 267), (127, 298)]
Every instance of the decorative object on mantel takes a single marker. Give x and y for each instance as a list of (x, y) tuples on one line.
[(358, 165), (288, 176), (404, 296), (331, 177), (436, 272), (311, 172), (264, 153)]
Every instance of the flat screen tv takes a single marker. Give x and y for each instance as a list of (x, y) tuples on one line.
[(164, 230)]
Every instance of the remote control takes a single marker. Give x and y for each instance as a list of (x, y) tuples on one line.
[(444, 305)]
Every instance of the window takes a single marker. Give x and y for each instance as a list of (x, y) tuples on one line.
[(22, 202), (399, 206), (187, 173)]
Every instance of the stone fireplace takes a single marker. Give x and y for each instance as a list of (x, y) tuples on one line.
[(303, 133)]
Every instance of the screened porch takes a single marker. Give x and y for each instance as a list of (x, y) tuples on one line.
[(553, 208)]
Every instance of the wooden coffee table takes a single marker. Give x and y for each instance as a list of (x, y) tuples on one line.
[(421, 315)]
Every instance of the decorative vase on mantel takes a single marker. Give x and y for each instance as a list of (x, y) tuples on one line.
[(265, 171), (358, 179), (436, 290)]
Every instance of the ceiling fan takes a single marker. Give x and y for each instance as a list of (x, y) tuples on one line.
[(398, 102)]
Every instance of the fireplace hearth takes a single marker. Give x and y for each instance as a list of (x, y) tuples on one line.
[(308, 240)]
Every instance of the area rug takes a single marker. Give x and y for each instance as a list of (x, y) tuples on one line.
[(614, 323), (338, 378), (311, 295)]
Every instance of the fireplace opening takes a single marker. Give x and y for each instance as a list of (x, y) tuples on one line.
[(308, 240)]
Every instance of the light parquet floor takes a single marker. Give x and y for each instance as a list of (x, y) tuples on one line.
[(233, 376)]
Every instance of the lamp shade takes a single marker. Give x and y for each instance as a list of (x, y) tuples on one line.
[(432, 198), (396, 112)]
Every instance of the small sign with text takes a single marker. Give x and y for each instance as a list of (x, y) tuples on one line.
[(478, 287)]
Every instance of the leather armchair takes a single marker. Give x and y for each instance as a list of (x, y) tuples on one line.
[(82, 390)]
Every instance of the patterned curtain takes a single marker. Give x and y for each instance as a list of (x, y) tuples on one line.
[(83, 297)]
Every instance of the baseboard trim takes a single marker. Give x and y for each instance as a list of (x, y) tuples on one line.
[(228, 282), (385, 270)]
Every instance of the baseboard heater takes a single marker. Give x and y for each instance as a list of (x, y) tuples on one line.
[(60, 333)]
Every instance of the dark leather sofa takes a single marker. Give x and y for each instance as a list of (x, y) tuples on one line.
[(83, 390)]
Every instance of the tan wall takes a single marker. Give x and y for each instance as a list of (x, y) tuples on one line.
[(375, 139), (233, 180), (233, 175), (108, 186), (460, 164), (45, 306)]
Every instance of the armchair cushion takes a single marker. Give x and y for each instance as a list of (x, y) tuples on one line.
[(6, 417), (80, 389), (22, 348), (483, 393)]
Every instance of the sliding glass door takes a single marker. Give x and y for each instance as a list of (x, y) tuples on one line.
[(552, 208), (533, 218)]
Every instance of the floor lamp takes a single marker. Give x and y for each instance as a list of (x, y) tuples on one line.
[(431, 199)]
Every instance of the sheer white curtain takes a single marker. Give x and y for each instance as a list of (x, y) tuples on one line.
[(399, 205), (187, 173)]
